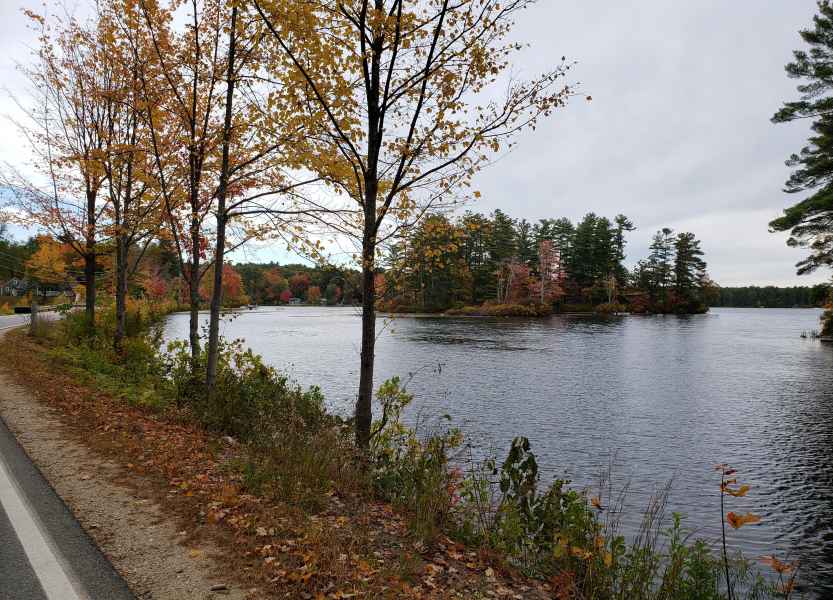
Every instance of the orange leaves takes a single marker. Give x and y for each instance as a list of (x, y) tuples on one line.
[(737, 521), (737, 493), (596, 502), (779, 566)]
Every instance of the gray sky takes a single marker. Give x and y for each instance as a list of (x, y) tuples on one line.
[(677, 134)]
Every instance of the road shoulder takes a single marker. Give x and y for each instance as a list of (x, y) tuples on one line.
[(144, 545)]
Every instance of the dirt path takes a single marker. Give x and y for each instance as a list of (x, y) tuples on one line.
[(142, 543)]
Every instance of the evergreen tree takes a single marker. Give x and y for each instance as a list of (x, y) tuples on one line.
[(689, 267), (605, 257), (525, 243), (810, 221), (623, 224), (476, 247), (502, 242), (659, 261), (581, 261)]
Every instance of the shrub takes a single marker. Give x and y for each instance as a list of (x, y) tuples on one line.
[(609, 308), (294, 450), (250, 401), (502, 310), (410, 470)]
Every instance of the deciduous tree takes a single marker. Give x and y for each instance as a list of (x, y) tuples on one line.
[(396, 91), (65, 130)]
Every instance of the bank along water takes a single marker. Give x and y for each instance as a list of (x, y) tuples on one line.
[(658, 397)]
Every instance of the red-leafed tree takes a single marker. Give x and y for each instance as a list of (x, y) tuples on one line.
[(298, 284)]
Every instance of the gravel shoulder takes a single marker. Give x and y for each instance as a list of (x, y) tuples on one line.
[(115, 507)]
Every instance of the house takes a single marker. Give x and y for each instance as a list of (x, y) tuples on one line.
[(14, 287), (17, 287), (295, 301)]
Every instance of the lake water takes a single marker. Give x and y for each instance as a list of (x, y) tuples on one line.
[(664, 397)]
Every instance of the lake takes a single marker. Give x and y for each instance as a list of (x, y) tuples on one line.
[(662, 397)]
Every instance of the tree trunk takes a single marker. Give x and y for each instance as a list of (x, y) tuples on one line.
[(90, 260), (121, 294), (33, 317), (217, 292), (89, 288), (216, 302), (364, 409), (194, 306)]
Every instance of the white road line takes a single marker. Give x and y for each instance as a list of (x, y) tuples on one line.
[(45, 563)]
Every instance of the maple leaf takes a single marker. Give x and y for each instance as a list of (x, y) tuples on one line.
[(737, 521)]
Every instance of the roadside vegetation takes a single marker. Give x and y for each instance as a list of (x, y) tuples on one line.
[(279, 469)]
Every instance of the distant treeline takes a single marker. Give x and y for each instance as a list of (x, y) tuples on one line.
[(771, 296), (272, 283)]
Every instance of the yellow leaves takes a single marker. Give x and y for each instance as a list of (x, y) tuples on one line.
[(737, 521), (737, 493), (580, 553), (608, 559), (48, 263)]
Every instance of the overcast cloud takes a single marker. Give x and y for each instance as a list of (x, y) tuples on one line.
[(678, 132)]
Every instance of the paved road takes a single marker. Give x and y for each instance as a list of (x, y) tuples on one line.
[(7, 321), (44, 552)]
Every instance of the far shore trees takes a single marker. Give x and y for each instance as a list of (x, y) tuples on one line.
[(442, 266), (407, 100)]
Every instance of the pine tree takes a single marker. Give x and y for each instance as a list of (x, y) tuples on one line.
[(810, 221), (659, 261), (623, 224), (502, 244), (689, 267), (605, 257), (581, 262), (525, 243)]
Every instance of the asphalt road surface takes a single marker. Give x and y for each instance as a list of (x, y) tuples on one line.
[(44, 552)]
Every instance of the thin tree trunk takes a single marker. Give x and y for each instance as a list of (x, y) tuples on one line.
[(121, 293), (89, 288), (364, 410), (33, 309), (90, 262), (194, 303), (217, 292)]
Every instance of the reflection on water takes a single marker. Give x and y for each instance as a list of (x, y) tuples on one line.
[(668, 397)]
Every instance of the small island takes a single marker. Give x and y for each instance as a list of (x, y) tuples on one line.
[(494, 265)]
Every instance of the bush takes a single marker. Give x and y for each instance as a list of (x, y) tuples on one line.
[(609, 308), (294, 450), (502, 310), (410, 470), (251, 400)]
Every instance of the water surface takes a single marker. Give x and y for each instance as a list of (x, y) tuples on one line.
[(667, 397)]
